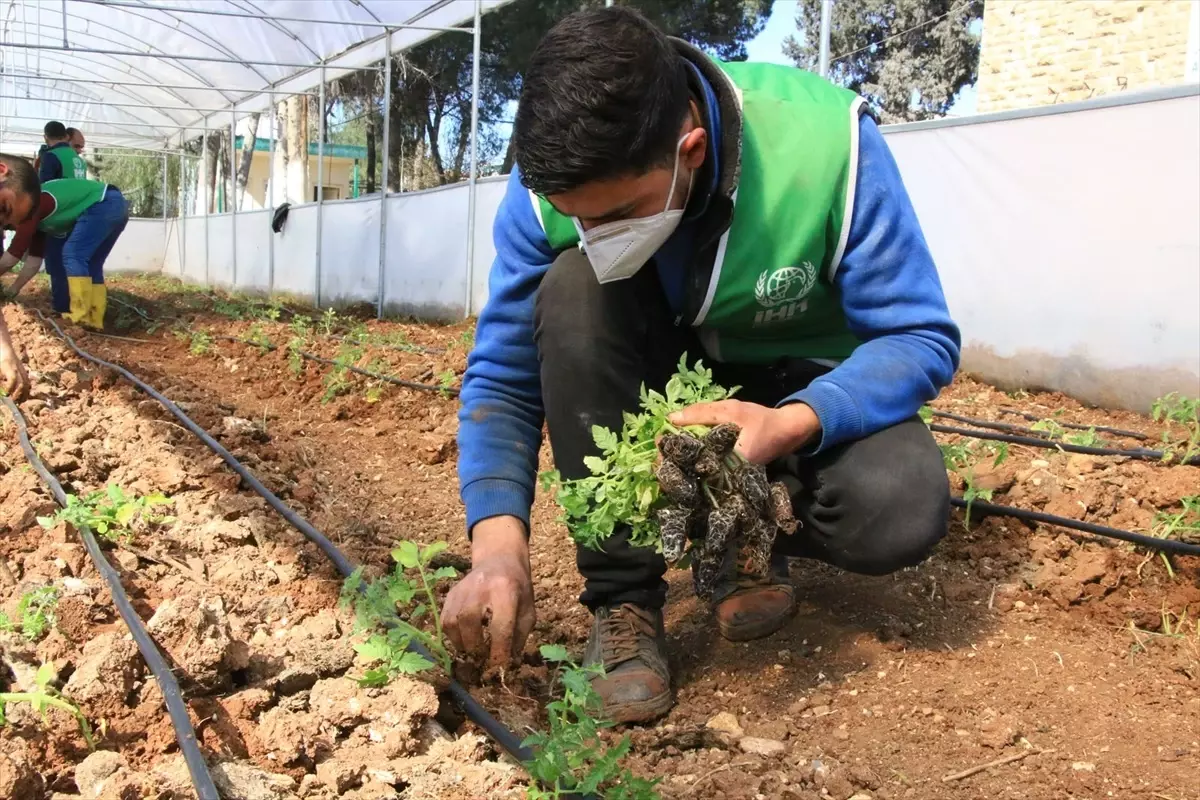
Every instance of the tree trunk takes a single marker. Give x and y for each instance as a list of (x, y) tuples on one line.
[(464, 139), (509, 154), (299, 188), (210, 170), (371, 150), (243, 173)]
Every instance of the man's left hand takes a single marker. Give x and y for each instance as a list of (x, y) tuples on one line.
[(766, 433)]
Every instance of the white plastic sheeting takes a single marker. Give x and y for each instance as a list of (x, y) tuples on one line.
[(1069, 245), (76, 60), (141, 247)]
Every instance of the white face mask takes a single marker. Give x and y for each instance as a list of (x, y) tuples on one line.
[(617, 250)]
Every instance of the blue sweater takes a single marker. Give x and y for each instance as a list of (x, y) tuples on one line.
[(891, 296)]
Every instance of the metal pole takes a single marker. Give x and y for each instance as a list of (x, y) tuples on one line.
[(60, 76), (387, 157), (178, 57), (233, 198), (471, 186), (164, 193), (204, 163), (826, 23), (64, 9), (320, 182), (181, 217), (271, 204), (224, 12)]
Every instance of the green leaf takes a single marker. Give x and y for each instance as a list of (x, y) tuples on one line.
[(407, 555), (374, 649), (374, 678), (429, 551), (442, 573), (605, 439), (411, 663), (554, 652), (595, 464), (125, 514), (46, 673)]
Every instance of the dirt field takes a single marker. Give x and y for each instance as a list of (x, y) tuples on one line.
[(1082, 658)]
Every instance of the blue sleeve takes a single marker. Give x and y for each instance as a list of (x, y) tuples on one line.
[(51, 167), (500, 420), (893, 302)]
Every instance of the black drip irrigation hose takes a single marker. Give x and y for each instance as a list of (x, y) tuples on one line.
[(185, 734), (1075, 426), (1048, 444), (1150, 542), (499, 733), (1021, 429), (423, 387)]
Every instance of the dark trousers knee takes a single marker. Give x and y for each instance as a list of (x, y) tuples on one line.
[(872, 506)]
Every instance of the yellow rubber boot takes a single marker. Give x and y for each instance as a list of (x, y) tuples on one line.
[(81, 299), (99, 304)]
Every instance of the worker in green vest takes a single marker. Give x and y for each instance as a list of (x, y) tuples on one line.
[(61, 159), (663, 203), (90, 215)]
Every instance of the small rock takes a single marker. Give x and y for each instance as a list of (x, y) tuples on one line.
[(821, 711), (797, 708), (861, 796), (94, 770), (19, 775), (243, 782), (109, 667), (126, 560), (820, 699), (841, 734), (761, 747), (1083, 766), (725, 722), (339, 775), (775, 729), (839, 786)]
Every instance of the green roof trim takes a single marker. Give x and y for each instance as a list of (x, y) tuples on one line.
[(262, 145)]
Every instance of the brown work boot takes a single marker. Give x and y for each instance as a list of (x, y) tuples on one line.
[(751, 607), (631, 644)]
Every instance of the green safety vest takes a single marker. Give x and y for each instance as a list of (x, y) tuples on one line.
[(771, 294), (73, 166), (71, 199)]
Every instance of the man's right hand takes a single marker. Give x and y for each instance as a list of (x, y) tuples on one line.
[(12, 371), (495, 600)]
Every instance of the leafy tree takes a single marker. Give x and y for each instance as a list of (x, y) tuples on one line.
[(139, 177), (909, 58)]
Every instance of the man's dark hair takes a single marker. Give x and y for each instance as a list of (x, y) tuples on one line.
[(22, 177), (71, 132), (55, 130), (604, 96)]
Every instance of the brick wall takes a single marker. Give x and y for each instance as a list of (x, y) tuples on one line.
[(1040, 52)]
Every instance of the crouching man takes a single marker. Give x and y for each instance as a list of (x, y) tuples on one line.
[(664, 202)]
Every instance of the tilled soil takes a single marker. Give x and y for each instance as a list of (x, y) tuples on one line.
[(1010, 641)]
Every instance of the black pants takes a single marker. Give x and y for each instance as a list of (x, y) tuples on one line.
[(871, 506)]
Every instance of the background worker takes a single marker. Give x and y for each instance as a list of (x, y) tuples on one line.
[(19, 196), (61, 159), (36, 247), (89, 216)]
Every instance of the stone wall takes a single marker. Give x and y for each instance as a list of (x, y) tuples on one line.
[(1041, 52)]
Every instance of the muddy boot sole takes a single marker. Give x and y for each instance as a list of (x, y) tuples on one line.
[(758, 629)]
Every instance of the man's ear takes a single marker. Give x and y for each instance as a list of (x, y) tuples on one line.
[(695, 148)]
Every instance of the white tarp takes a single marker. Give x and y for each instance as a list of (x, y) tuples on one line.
[(60, 57)]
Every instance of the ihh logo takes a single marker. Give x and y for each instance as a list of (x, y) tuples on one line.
[(781, 292)]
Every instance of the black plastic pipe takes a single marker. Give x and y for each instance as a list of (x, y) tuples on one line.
[(500, 733), (423, 387), (1031, 441), (1021, 429), (185, 734), (1150, 542), (1075, 426)]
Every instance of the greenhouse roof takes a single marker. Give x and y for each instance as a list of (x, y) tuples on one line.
[(148, 73)]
